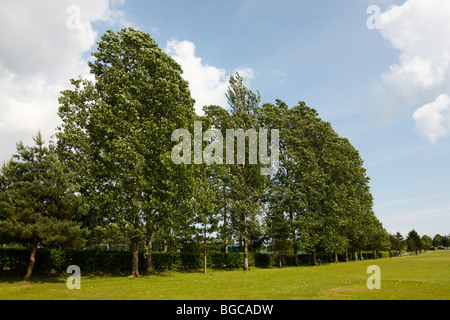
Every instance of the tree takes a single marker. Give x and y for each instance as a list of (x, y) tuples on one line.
[(244, 183), (116, 134), (278, 230), (446, 241), (396, 241), (206, 217), (283, 192), (294, 189), (207, 192), (348, 198), (218, 118), (437, 240), (247, 182), (378, 237), (321, 185), (414, 242), (39, 203), (427, 242)]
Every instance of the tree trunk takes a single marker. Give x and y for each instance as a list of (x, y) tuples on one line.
[(280, 265), (134, 257), (225, 222), (31, 263), (361, 255), (296, 255), (245, 255), (204, 250), (314, 260), (149, 256), (204, 260), (336, 259), (346, 255)]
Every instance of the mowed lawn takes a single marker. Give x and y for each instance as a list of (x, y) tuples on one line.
[(426, 276)]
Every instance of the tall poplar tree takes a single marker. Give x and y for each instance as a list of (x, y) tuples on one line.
[(116, 133), (321, 188), (244, 183), (247, 184)]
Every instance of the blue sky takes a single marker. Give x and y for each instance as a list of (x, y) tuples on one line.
[(386, 89)]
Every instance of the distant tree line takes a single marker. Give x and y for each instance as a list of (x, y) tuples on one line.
[(416, 244), (109, 176)]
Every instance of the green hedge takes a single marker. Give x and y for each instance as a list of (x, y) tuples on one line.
[(57, 260)]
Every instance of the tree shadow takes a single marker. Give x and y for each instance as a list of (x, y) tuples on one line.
[(36, 278)]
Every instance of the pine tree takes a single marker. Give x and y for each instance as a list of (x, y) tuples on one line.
[(38, 201)]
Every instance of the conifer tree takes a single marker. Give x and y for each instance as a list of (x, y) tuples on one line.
[(39, 204)]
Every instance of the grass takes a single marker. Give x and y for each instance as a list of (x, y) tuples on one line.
[(424, 277)]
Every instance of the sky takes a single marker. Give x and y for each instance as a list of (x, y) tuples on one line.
[(377, 70)]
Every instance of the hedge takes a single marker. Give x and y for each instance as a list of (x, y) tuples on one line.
[(57, 260), (90, 261)]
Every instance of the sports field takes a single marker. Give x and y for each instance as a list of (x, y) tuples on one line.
[(425, 277)]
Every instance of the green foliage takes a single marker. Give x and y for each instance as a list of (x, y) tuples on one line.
[(319, 199), (39, 202), (427, 242), (38, 199), (116, 134), (57, 260), (413, 241), (115, 145), (243, 184)]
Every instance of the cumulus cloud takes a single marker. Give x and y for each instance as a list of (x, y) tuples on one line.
[(419, 30), (208, 84), (433, 119), (44, 44)]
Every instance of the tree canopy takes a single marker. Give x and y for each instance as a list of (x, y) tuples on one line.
[(116, 133)]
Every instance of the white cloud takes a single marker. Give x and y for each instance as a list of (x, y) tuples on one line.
[(208, 84), (418, 72), (39, 54), (419, 30), (433, 119)]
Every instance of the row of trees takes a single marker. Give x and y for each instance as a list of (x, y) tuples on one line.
[(110, 178), (414, 243)]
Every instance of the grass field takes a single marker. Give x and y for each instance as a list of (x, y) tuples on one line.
[(425, 277)]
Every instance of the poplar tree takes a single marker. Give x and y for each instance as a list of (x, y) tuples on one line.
[(220, 119), (116, 133), (247, 185), (244, 182), (320, 194)]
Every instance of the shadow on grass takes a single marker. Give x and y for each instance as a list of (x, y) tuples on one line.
[(8, 276), (36, 278), (15, 277)]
